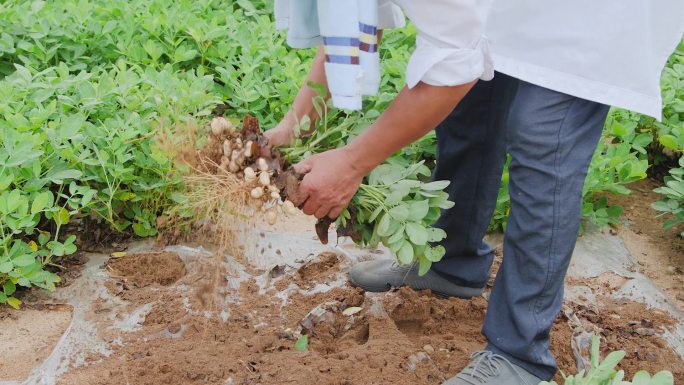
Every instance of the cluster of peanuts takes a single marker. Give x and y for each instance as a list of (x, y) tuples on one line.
[(235, 153), (236, 159)]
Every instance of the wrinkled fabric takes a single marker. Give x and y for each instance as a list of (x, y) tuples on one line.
[(609, 51), (451, 49)]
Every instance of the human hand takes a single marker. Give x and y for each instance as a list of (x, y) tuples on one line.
[(279, 136), (330, 182)]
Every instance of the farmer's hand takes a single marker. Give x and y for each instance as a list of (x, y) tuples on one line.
[(279, 136), (330, 182)]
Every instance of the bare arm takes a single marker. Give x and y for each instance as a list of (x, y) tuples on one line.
[(303, 104), (283, 133), (414, 113), (334, 176)]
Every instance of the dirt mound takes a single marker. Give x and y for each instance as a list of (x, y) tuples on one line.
[(320, 270), (146, 269)]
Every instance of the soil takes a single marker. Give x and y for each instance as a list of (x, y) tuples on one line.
[(28, 336), (194, 332), (146, 269), (321, 269), (659, 252)]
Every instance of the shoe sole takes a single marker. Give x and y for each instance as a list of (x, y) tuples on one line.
[(388, 287)]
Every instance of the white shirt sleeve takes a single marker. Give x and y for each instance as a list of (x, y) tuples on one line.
[(390, 15), (451, 48)]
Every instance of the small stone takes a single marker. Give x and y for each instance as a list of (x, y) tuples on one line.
[(415, 359), (671, 270), (428, 349), (277, 270), (645, 331), (174, 328), (351, 311)]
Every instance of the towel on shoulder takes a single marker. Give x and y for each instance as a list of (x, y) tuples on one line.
[(348, 30)]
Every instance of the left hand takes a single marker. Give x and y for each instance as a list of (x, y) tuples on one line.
[(330, 182)]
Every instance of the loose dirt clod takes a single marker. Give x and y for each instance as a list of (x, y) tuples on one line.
[(149, 268), (320, 270)]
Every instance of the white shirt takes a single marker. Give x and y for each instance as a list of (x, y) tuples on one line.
[(607, 51), (450, 46)]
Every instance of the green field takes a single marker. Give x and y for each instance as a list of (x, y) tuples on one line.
[(87, 87)]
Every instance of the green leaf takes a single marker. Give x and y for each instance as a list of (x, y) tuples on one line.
[(13, 200), (435, 234), (416, 233), (398, 235), (405, 254), (15, 303), (6, 267), (24, 260), (61, 216), (40, 202), (641, 378), (394, 198), (668, 141), (595, 354), (436, 185), (57, 248), (614, 211), (384, 225), (662, 378), (43, 238), (424, 265), (610, 362), (400, 212), (59, 176), (617, 379), (375, 214), (418, 210), (661, 206), (302, 343), (434, 254), (9, 288)]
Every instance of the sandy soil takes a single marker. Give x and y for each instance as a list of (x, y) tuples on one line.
[(28, 336), (210, 322), (195, 327), (659, 252)]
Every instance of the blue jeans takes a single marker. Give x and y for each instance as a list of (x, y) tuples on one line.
[(551, 138)]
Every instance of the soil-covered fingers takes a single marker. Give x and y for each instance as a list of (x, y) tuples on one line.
[(276, 137)]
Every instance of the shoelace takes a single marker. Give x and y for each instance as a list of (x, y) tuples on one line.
[(396, 265), (483, 366)]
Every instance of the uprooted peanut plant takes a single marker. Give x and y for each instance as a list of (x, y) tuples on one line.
[(395, 205)]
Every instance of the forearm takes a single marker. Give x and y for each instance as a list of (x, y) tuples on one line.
[(303, 104), (414, 113)]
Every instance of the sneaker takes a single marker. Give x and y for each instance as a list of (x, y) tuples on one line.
[(385, 274), (487, 368)]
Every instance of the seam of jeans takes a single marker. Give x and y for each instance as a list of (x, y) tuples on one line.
[(554, 227)]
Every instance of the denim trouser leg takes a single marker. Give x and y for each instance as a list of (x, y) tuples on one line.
[(551, 140), (471, 154)]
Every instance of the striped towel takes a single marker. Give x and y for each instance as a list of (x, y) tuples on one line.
[(348, 29)]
